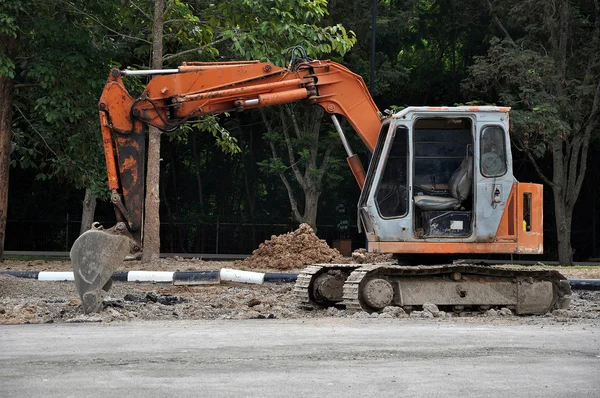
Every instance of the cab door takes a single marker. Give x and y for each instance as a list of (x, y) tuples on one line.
[(385, 202), (494, 174)]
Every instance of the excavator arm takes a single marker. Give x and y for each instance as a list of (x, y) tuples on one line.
[(175, 96)]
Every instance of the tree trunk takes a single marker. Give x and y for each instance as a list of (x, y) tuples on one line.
[(163, 193), (8, 46), (152, 219), (563, 229), (89, 208), (311, 180), (311, 203), (248, 160), (200, 232)]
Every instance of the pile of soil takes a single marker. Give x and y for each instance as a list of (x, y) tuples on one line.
[(292, 250)]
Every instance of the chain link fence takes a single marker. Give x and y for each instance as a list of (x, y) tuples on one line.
[(219, 235), (228, 235)]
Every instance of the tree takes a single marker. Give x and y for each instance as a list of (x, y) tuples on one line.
[(265, 30), (308, 151), (9, 44), (59, 70), (151, 212), (546, 67)]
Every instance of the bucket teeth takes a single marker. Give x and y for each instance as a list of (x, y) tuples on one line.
[(95, 255), (92, 301)]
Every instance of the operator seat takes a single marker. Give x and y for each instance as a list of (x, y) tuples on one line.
[(460, 188)]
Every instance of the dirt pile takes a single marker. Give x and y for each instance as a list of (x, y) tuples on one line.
[(292, 250)]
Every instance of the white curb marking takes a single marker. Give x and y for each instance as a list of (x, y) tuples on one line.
[(234, 275), (55, 276), (149, 276)]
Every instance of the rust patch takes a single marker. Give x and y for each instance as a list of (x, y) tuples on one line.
[(486, 239), (130, 164)]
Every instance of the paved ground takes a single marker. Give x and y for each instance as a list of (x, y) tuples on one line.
[(274, 358)]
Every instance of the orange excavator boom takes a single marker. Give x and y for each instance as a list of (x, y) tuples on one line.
[(174, 96)]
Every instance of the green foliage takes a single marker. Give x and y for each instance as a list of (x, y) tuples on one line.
[(7, 66), (527, 85), (61, 67), (423, 48), (9, 14), (546, 69), (315, 146), (210, 124), (264, 30), (548, 90)]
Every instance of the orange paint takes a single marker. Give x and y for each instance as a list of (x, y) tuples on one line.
[(508, 223), (109, 153), (282, 98), (530, 240), (239, 92), (447, 247), (357, 170), (130, 164)]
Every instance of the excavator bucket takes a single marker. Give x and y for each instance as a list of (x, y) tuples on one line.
[(95, 255)]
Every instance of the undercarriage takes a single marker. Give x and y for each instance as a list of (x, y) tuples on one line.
[(457, 287)]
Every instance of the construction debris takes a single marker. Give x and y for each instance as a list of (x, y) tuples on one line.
[(32, 301), (362, 256)]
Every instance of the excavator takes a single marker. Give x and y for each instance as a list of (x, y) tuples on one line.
[(439, 183)]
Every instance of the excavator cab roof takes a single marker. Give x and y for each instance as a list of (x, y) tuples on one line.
[(449, 109)]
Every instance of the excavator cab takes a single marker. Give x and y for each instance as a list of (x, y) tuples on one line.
[(440, 182)]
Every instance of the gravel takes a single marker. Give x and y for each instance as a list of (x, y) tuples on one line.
[(32, 301)]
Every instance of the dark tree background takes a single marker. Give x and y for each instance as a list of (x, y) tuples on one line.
[(539, 57)]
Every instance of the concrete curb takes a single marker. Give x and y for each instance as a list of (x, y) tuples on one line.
[(214, 277), (177, 278)]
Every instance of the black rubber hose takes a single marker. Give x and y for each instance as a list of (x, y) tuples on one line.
[(585, 284), (280, 277), (196, 276), (119, 276), (22, 274)]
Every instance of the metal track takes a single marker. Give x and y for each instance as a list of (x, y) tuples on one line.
[(352, 286), (304, 283), (352, 294)]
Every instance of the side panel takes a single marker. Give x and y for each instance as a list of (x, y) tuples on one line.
[(507, 230), (441, 247), (530, 223)]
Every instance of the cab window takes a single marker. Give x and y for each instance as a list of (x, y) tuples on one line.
[(392, 192), (492, 152)]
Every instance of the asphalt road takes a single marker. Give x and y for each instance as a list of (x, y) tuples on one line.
[(329, 357)]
